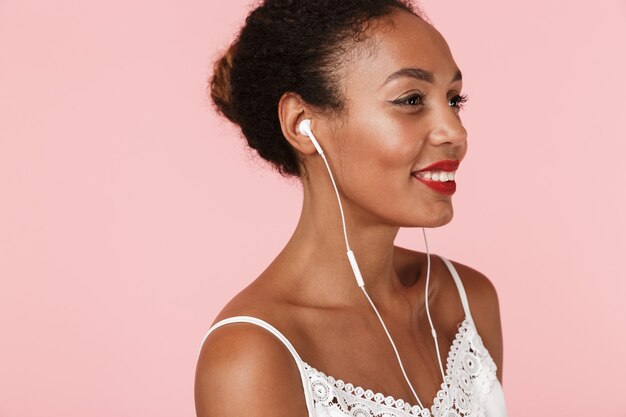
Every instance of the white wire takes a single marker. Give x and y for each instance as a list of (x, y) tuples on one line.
[(432, 327), (394, 348), (343, 221), (433, 332)]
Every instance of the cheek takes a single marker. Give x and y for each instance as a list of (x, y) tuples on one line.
[(378, 156), (388, 143)]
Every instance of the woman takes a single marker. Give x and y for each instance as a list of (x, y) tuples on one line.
[(378, 88)]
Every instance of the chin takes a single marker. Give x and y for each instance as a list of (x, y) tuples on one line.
[(444, 221), (438, 219)]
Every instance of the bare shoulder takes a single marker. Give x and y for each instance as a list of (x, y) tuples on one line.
[(484, 305), (240, 368), (481, 292)]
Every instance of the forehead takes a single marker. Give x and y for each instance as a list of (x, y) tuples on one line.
[(403, 40)]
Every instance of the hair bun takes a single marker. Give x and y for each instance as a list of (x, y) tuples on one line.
[(220, 84), (297, 46)]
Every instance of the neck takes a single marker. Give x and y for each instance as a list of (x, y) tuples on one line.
[(316, 253)]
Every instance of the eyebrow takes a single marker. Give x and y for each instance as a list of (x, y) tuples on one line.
[(420, 74)]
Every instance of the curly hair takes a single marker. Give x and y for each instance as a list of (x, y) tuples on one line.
[(290, 46)]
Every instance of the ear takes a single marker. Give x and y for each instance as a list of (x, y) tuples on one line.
[(291, 111)]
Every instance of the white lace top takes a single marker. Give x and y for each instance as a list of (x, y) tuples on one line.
[(470, 387)]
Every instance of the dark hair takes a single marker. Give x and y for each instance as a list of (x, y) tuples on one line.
[(290, 45)]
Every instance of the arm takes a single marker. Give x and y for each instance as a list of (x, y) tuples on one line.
[(245, 370)]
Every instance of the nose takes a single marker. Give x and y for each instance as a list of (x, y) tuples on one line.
[(447, 127)]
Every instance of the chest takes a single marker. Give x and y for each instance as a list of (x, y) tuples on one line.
[(356, 348), (469, 376)]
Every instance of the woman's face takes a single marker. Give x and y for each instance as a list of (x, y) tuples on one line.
[(398, 124)]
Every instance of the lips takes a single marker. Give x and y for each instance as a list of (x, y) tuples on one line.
[(444, 165), (446, 188)]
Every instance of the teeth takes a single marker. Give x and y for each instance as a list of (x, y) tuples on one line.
[(441, 176)]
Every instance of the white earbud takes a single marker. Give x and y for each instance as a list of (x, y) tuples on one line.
[(305, 128)]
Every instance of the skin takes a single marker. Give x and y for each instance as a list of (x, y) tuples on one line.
[(309, 292)]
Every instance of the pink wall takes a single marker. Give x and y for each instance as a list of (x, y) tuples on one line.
[(120, 233)]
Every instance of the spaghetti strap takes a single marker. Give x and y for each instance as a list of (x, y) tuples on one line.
[(253, 320), (459, 285)]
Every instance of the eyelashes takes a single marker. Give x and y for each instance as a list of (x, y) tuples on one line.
[(405, 101), (461, 100), (410, 101)]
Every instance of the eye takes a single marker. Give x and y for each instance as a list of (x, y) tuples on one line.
[(460, 100), (411, 100)]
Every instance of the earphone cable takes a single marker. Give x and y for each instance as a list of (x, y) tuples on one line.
[(394, 347), (343, 220), (361, 283), (365, 292), (432, 326)]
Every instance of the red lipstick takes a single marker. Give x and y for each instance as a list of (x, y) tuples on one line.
[(442, 187), (445, 165)]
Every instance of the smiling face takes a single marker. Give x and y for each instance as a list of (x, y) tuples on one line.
[(402, 115)]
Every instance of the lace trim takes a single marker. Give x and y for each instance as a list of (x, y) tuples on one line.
[(469, 376)]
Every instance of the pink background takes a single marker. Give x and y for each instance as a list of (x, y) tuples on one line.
[(131, 213)]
